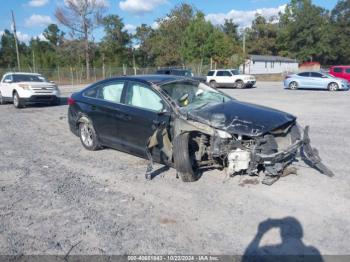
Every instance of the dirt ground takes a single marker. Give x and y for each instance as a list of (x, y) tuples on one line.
[(55, 195)]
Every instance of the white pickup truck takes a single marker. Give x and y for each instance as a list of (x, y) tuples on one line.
[(28, 88), (229, 78)]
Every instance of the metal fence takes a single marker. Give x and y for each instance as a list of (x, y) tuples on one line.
[(77, 75)]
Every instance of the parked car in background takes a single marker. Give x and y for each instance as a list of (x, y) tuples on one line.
[(179, 72), (28, 88), (229, 78), (186, 124), (315, 80), (340, 72)]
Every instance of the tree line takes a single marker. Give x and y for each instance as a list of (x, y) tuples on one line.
[(183, 37)]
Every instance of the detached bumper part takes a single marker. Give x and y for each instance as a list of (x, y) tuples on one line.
[(275, 164), (311, 157)]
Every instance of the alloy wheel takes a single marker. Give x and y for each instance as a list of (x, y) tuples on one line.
[(293, 86), (333, 87), (87, 135), (15, 100)]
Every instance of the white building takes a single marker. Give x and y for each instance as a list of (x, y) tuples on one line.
[(261, 64)]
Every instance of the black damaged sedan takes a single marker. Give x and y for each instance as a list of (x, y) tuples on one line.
[(187, 125)]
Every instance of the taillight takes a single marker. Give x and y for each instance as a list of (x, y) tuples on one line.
[(71, 101), (287, 77)]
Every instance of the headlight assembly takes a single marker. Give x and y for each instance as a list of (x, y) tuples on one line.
[(24, 86)]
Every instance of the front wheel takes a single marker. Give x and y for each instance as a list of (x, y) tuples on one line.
[(212, 84), (293, 85), (184, 159), (333, 87), (88, 136), (240, 84), (17, 101), (2, 101)]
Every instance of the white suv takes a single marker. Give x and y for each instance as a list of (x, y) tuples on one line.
[(229, 78), (27, 88)]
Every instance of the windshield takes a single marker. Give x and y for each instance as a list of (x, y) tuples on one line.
[(28, 78), (328, 75), (235, 72), (190, 95), (182, 73)]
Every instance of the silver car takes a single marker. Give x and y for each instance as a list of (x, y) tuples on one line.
[(315, 80)]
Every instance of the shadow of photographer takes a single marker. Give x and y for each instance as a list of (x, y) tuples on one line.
[(291, 248)]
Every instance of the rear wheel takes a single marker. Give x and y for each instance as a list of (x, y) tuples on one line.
[(212, 84), (88, 136), (333, 87), (17, 101), (184, 159), (2, 101), (293, 85), (239, 84)]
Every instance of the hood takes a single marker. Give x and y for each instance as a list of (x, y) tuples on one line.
[(242, 118), (37, 84)]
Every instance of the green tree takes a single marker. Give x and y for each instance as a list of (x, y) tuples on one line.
[(305, 32), (262, 37), (142, 38), (116, 42), (53, 34), (340, 19), (231, 29), (167, 40)]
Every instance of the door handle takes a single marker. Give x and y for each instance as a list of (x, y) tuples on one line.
[(93, 107)]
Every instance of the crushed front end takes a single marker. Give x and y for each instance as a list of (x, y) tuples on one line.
[(271, 153)]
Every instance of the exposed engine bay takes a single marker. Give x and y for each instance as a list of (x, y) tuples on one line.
[(226, 134)]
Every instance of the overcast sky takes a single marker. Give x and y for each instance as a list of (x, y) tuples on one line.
[(32, 16)]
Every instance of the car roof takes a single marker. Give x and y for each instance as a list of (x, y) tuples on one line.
[(153, 79), (21, 73), (342, 66)]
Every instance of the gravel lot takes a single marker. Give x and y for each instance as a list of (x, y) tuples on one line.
[(55, 195)]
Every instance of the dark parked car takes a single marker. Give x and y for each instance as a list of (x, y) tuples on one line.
[(180, 72), (188, 125)]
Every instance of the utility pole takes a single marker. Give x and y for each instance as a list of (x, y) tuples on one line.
[(244, 51), (33, 57), (15, 34)]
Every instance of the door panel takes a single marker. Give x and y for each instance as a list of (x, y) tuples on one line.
[(142, 114), (104, 108)]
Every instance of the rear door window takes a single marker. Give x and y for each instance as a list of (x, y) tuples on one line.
[(338, 70), (304, 74), (315, 74), (110, 91), (223, 73)]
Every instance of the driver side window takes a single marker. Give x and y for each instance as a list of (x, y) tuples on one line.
[(141, 96), (8, 78)]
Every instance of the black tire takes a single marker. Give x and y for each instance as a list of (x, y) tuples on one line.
[(239, 84), (87, 134), (183, 159), (293, 85), (333, 86), (17, 101), (56, 102), (213, 84), (2, 101)]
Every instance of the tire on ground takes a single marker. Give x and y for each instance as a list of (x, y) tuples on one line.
[(182, 158), (95, 143), (19, 102)]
